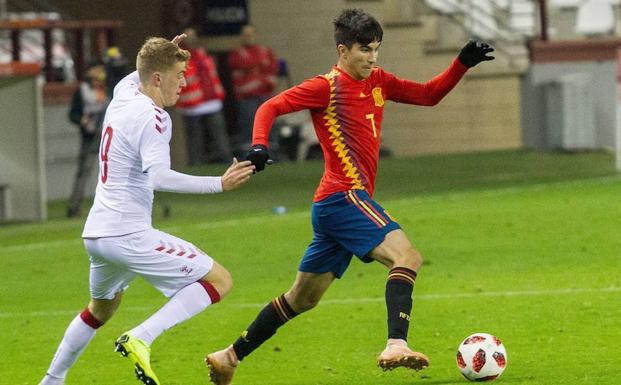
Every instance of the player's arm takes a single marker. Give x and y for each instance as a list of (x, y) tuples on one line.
[(425, 94), (311, 94), (155, 155), (165, 179), (431, 92)]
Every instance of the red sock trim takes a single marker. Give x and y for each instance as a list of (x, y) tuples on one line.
[(211, 291), (90, 319)]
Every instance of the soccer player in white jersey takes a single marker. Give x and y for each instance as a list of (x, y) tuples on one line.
[(119, 238)]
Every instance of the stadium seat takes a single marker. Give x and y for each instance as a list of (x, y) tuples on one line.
[(522, 16), (565, 3), (443, 6), (480, 20), (595, 17)]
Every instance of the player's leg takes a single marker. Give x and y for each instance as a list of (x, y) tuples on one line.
[(325, 259), (183, 305), (107, 281), (182, 272), (397, 253), (362, 226), (186, 303), (81, 178), (304, 295), (78, 335)]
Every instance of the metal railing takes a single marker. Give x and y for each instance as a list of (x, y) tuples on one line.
[(93, 34), (7, 6), (35, 28), (492, 20)]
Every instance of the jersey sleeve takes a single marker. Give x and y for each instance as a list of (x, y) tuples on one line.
[(155, 155), (173, 181), (312, 94), (424, 94)]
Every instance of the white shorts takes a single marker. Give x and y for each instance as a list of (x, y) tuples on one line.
[(165, 261)]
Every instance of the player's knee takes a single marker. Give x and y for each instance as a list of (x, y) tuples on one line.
[(417, 259), (410, 258), (219, 279), (101, 313), (102, 317), (103, 309), (223, 282), (226, 285)]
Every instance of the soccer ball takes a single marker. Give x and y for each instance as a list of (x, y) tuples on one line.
[(481, 357)]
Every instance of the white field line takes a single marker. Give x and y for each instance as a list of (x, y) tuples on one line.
[(346, 301), (302, 214), (40, 245)]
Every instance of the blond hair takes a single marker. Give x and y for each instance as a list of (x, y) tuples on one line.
[(158, 55)]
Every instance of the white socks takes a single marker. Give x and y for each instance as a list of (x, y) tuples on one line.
[(75, 340), (185, 304)]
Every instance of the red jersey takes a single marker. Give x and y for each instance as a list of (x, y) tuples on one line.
[(347, 115), (253, 71), (203, 83)]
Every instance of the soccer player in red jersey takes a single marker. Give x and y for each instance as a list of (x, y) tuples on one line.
[(347, 107)]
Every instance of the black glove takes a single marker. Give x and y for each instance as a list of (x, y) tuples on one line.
[(475, 52), (259, 157)]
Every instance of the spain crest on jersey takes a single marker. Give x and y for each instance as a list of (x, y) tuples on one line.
[(377, 96)]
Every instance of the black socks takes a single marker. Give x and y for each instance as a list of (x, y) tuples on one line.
[(273, 316), (399, 289)]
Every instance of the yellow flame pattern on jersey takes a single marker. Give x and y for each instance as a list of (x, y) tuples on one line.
[(338, 142)]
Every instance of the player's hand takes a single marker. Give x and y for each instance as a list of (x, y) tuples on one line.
[(259, 157), (475, 52), (237, 174), (177, 39)]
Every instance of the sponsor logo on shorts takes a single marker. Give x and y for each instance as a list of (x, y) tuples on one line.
[(187, 270)]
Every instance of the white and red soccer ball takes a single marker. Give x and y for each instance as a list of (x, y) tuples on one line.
[(481, 357)]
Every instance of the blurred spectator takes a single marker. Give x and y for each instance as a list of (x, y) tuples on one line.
[(64, 70), (254, 70), (88, 107), (200, 103), (116, 67)]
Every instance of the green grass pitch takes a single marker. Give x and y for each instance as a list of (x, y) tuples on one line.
[(522, 245)]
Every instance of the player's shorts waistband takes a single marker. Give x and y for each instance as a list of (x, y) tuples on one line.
[(342, 196)]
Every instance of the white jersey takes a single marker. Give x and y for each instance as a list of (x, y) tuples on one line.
[(135, 138)]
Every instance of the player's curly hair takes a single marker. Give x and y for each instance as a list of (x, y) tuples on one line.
[(356, 26), (158, 55)]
